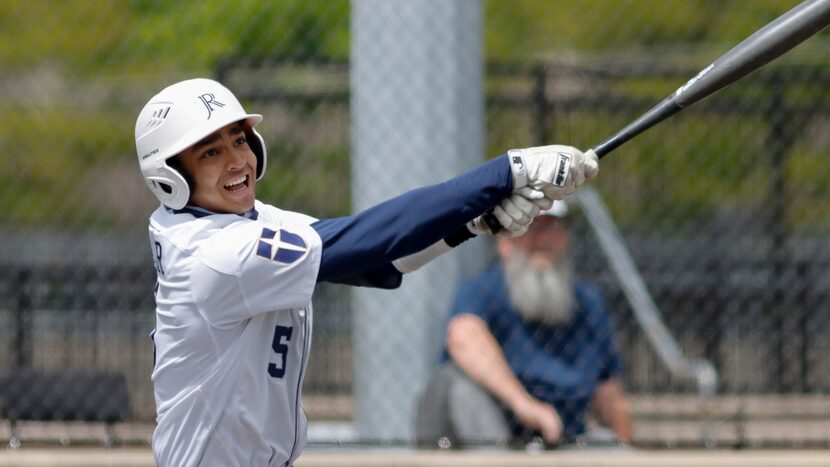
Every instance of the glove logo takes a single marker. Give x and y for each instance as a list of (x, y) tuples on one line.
[(517, 161), (562, 170), (289, 248), (209, 100)]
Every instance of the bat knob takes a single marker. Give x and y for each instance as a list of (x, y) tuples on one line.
[(492, 223)]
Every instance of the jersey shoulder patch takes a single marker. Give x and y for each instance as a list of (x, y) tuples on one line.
[(280, 245), (229, 249)]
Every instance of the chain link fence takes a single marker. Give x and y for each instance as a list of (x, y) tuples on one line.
[(724, 208)]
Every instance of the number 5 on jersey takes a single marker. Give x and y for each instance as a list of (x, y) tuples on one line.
[(281, 349)]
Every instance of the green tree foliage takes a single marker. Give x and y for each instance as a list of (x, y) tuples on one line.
[(75, 74), (523, 28), (93, 37)]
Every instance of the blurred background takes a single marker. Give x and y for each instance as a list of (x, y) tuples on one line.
[(724, 209)]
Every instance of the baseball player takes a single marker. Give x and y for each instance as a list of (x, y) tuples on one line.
[(236, 276)]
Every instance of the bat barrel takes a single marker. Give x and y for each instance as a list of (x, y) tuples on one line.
[(766, 44)]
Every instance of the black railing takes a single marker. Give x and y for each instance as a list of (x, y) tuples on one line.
[(755, 289)]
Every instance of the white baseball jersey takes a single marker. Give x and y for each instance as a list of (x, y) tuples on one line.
[(232, 337)]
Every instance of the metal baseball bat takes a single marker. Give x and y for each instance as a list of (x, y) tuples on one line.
[(766, 44)]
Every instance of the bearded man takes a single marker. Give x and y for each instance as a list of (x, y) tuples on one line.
[(529, 351)]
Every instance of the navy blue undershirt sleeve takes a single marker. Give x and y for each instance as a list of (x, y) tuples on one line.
[(408, 223), (382, 277)]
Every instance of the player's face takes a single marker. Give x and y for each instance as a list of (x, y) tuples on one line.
[(223, 168)]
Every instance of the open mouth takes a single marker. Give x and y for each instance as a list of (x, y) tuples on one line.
[(237, 184)]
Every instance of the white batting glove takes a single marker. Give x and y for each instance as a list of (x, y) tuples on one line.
[(514, 214), (556, 170), (537, 197)]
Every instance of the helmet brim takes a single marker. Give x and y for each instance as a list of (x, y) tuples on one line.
[(191, 138)]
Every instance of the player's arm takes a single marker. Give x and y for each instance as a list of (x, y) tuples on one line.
[(409, 223), (390, 275), (475, 351), (514, 214), (420, 218)]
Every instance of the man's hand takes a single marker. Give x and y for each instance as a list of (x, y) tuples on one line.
[(555, 170), (539, 416), (515, 213)]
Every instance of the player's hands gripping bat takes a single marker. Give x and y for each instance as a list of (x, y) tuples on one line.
[(556, 171), (514, 214)]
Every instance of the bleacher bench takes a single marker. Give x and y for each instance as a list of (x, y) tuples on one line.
[(64, 395)]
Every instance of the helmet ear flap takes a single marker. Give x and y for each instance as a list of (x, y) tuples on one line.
[(176, 164), (170, 187), (257, 145)]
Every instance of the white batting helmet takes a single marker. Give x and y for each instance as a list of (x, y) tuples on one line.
[(178, 117)]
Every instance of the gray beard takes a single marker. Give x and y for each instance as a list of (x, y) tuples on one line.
[(543, 294)]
